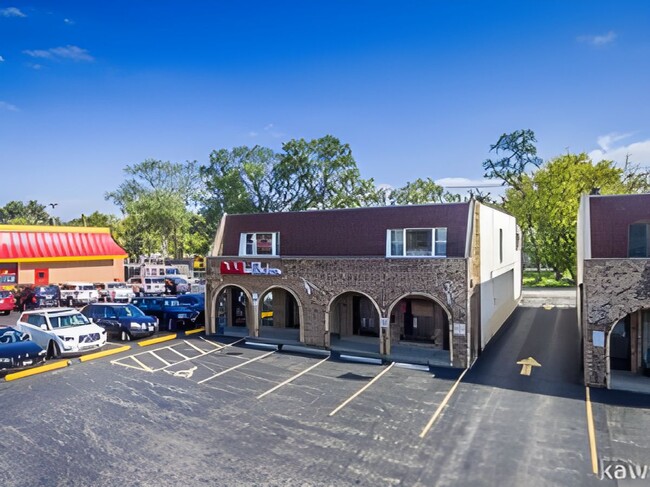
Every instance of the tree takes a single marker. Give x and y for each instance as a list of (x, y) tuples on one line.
[(95, 219), (157, 201), (19, 213), (320, 173)]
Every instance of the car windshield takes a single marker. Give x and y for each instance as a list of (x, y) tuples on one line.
[(88, 287), (44, 289), (4, 294), (66, 321), (128, 311), (10, 336)]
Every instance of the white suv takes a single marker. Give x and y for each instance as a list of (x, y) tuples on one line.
[(61, 331), (78, 293)]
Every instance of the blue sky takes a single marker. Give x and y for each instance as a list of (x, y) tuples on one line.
[(418, 89)]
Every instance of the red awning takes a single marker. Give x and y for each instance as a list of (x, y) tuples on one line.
[(39, 244)]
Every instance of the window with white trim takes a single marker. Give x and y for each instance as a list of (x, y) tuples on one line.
[(416, 242), (259, 244)]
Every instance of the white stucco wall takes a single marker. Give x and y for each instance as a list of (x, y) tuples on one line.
[(500, 269)]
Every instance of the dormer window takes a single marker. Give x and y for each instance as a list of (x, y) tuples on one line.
[(416, 242), (259, 244), (639, 241)]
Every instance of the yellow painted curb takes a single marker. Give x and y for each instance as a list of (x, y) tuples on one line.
[(37, 370), (157, 340), (192, 332), (104, 353)]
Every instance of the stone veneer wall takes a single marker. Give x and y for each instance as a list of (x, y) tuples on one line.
[(384, 280), (613, 288)]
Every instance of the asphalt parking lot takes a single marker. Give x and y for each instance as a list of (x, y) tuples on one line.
[(199, 410)]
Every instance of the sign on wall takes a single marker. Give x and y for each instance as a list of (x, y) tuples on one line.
[(241, 267)]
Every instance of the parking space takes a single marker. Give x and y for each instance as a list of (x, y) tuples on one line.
[(317, 388)]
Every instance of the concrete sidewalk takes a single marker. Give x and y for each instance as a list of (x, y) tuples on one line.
[(537, 297)]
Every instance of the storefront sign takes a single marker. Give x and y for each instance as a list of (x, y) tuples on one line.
[(241, 267)]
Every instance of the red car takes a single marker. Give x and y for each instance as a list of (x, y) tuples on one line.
[(7, 302)]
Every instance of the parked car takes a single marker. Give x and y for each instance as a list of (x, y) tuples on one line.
[(197, 303), (17, 351), (114, 292), (182, 285), (7, 302), (123, 321), (78, 293), (170, 313), (61, 331), (47, 296)]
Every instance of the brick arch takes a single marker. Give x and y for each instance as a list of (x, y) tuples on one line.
[(301, 313), (608, 334), (215, 294), (338, 295), (392, 305)]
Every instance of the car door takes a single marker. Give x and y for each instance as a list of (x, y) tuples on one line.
[(112, 321), (36, 326)]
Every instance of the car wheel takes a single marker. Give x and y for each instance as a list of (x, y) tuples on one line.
[(53, 350), (126, 336)]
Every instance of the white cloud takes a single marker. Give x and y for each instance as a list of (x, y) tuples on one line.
[(8, 106), (11, 12), (34, 66), (270, 129), (599, 40), (68, 21), (252, 133), (638, 152), (66, 52), (2, 60)]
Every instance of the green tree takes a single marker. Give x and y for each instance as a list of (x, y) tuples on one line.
[(320, 173), (19, 213), (157, 200), (95, 219)]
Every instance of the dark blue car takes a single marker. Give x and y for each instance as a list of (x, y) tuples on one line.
[(17, 351), (197, 303), (122, 321), (171, 314)]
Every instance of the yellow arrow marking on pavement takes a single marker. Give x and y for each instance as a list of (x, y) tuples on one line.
[(527, 365)]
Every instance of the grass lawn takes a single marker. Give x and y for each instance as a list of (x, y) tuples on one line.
[(532, 279)]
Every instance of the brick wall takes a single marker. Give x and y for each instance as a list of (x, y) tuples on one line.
[(613, 288), (385, 281)]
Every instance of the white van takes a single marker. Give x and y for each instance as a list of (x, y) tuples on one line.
[(149, 285), (78, 293)]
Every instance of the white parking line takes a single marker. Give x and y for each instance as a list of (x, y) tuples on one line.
[(179, 353), (292, 378), (237, 366), (375, 379), (148, 369), (442, 405), (160, 358), (202, 352)]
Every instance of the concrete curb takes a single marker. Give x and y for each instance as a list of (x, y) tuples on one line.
[(192, 332), (104, 353), (161, 339), (37, 370)]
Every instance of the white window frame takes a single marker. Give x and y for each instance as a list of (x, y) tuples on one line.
[(275, 241), (434, 240)]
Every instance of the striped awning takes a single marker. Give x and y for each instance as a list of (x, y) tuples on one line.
[(24, 243)]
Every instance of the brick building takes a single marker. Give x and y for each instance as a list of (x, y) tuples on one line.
[(431, 283), (613, 238), (40, 254)]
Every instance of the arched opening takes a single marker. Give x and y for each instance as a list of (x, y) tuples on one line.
[(419, 328), (280, 315), (354, 322), (232, 312), (628, 352)]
